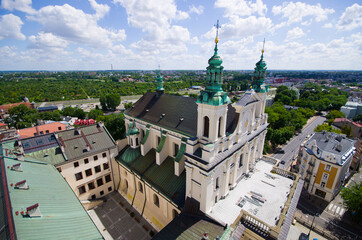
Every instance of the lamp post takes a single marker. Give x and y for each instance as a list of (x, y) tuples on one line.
[(311, 226)]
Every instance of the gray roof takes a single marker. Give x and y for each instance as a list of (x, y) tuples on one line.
[(76, 141), (151, 106), (39, 142), (246, 99), (332, 142)]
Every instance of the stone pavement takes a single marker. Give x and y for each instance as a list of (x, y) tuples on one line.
[(296, 229), (121, 220)]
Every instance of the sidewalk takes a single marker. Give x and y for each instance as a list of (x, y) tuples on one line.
[(296, 229)]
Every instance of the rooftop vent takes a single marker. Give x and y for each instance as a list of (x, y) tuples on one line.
[(46, 155), (78, 131), (181, 119), (162, 115), (17, 167), (147, 110), (33, 211), (21, 185), (339, 138), (339, 148)]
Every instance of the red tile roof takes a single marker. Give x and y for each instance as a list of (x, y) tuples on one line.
[(51, 127), (6, 107)]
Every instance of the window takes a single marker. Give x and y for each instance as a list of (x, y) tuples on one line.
[(105, 166), (323, 184), (39, 141), (110, 189), (241, 160), (78, 176), (41, 132), (93, 196), (328, 167), (217, 183), (320, 193), (108, 178), (88, 172), (174, 213), (35, 134), (97, 169), (158, 140), (143, 133), (81, 189), (26, 145), (95, 158), (175, 149), (99, 182), (136, 141), (91, 186), (104, 155), (59, 128), (325, 176), (86, 161), (101, 192), (140, 187), (126, 183), (47, 131), (156, 201), (219, 129), (206, 126), (215, 199), (76, 164), (52, 138)]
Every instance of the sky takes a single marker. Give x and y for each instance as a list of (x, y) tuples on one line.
[(179, 34)]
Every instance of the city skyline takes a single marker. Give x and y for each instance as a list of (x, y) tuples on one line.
[(141, 34)]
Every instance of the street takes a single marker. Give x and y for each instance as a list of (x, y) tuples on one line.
[(292, 147)]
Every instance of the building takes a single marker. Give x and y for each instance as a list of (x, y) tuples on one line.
[(203, 157), (352, 109), (37, 203), (5, 108), (356, 128), (47, 109), (41, 129), (325, 162)]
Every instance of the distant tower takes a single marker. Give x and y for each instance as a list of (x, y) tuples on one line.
[(212, 103), (159, 81), (259, 74)]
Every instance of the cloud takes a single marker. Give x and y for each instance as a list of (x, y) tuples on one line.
[(46, 40), (241, 7), (74, 25), (198, 10), (327, 25), (101, 9), (297, 12), (10, 27), (20, 5), (295, 33), (351, 18)]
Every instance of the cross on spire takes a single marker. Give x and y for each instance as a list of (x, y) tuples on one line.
[(262, 51), (217, 25)]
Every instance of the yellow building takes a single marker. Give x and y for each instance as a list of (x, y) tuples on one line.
[(325, 162)]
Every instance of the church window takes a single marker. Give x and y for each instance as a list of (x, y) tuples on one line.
[(136, 141), (219, 129), (206, 126), (131, 142), (217, 183), (126, 183), (140, 187), (241, 160), (158, 140), (143, 133), (156, 200)]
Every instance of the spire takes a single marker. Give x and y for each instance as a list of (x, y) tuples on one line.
[(259, 74), (213, 94), (159, 80)]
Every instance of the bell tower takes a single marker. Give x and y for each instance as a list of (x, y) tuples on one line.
[(212, 102)]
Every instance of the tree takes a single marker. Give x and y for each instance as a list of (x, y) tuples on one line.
[(110, 101), (347, 130), (352, 196), (326, 127), (128, 105), (95, 113), (74, 112), (357, 118), (115, 125), (335, 114), (18, 116)]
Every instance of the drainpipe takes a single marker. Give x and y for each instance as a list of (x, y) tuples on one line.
[(144, 204)]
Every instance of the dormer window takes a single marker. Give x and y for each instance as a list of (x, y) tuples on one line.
[(33, 211), (21, 185), (17, 167)]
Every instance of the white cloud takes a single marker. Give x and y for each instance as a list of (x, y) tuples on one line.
[(10, 27), (101, 9), (20, 5), (74, 25), (295, 33), (328, 25), (241, 7), (198, 10), (297, 12), (46, 40), (351, 18)]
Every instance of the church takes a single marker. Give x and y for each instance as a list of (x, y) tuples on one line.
[(191, 155)]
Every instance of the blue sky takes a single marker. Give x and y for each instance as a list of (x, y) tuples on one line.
[(179, 34)]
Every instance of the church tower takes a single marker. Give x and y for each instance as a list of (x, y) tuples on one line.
[(212, 102), (259, 74), (159, 80)]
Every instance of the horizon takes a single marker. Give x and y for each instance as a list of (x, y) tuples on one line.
[(99, 34)]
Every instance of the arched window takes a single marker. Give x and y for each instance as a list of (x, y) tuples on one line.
[(156, 201), (131, 142), (126, 183), (217, 183), (140, 187), (219, 128), (143, 133), (136, 141), (174, 213), (206, 126), (241, 160)]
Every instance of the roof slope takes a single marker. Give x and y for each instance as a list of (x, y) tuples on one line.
[(41, 129), (151, 107), (63, 216)]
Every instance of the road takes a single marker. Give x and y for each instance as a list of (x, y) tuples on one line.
[(292, 147)]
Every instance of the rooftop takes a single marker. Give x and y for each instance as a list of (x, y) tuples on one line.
[(261, 182), (61, 212), (41, 129)]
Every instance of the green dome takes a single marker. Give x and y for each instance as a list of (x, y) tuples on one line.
[(131, 154), (215, 60), (132, 130)]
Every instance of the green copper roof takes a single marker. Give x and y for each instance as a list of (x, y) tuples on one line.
[(62, 215), (131, 154), (180, 153), (144, 140), (132, 130), (162, 143), (52, 155), (259, 75), (159, 81)]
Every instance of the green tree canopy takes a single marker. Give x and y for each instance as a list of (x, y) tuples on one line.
[(115, 125), (19, 116), (326, 127), (74, 112), (95, 113), (357, 118), (110, 101), (335, 114), (352, 196)]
